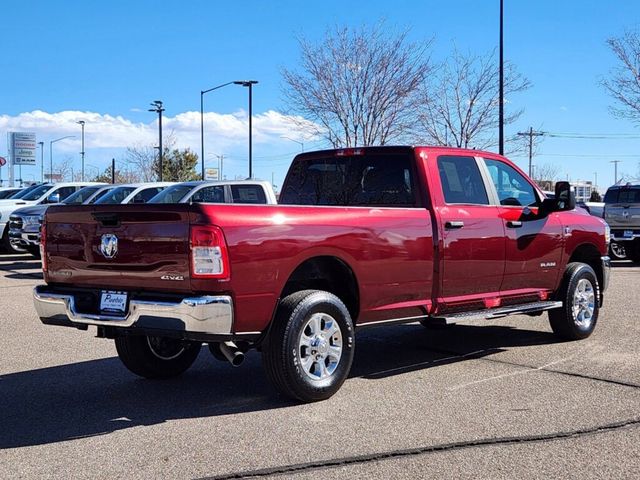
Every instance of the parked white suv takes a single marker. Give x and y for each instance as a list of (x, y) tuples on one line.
[(46, 193)]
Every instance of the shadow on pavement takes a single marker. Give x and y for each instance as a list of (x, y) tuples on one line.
[(25, 276), (100, 396), (624, 264)]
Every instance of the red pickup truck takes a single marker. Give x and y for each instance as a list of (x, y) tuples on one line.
[(360, 237)]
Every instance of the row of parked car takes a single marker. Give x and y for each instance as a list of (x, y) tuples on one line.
[(22, 210)]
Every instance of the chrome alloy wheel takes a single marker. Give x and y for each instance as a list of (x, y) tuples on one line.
[(320, 346), (584, 300), (165, 348)]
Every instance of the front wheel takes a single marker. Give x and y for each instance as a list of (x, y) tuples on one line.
[(577, 317), (617, 251), (156, 357), (309, 350)]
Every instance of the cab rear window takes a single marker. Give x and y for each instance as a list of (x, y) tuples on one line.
[(623, 195), (358, 180)]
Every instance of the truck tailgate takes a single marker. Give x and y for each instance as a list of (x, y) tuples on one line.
[(129, 247)]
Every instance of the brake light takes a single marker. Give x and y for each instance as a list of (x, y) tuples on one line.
[(209, 256), (349, 152), (43, 243)]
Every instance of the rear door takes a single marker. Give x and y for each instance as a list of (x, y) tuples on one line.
[(533, 243), (130, 247), (472, 233)]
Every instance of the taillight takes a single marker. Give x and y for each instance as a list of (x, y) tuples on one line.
[(209, 257), (349, 152), (43, 243)]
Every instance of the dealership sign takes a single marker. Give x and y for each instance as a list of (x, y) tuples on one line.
[(23, 148), (211, 174)]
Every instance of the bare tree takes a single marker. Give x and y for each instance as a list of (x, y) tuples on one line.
[(64, 168), (624, 84), (143, 159), (360, 86), (547, 171), (460, 101)]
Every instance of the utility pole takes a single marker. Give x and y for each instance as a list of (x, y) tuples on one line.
[(531, 134), (615, 174)]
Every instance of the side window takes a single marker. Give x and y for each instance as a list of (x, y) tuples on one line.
[(513, 189), (248, 194), (209, 195), (461, 180), (65, 192), (146, 195)]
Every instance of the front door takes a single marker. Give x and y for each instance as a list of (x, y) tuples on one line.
[(533, 243)]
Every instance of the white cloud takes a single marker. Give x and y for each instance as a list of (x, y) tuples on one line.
[(113, 132), (107, 136)]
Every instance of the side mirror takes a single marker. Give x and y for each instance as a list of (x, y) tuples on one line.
[(53, 198), (565, 198)]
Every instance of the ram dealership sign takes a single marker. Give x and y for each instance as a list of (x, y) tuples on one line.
[(23, 148)]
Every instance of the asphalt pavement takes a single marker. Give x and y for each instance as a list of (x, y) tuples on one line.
[(499, 399)]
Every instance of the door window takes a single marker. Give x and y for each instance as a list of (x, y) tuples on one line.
[(461, 180), (213, 194), (512, 188)]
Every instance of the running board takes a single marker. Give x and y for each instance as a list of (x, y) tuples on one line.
[(492, 313)]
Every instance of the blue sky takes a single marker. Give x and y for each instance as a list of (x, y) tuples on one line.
[(105, 61)]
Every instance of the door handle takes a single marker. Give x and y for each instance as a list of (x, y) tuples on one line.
[(453, 225), (514, 224)]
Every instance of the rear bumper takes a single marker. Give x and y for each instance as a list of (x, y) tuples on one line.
[(191, 316)]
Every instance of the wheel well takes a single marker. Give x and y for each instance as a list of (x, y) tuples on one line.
[(589, 254), (329, 274)]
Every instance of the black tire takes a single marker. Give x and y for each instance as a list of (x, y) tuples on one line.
[(6, 243), (35, 251), (565, 322), (284, 356), (156, 357)]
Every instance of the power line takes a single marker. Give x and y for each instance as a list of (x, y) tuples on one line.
[(595, 136)]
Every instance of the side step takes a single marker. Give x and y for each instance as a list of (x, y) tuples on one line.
[(492, 313)]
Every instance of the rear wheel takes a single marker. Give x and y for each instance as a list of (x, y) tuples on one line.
[(309, 350), (156, 357), (577, 317)]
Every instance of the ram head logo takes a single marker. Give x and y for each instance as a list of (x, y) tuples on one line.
[(109, 245)]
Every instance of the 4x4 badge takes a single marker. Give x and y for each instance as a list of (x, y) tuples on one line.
[(109, 245)]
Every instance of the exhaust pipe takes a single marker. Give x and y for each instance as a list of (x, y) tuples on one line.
[(232, 353)]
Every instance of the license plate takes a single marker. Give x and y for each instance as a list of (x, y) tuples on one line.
[(113, 302), (627, 234)]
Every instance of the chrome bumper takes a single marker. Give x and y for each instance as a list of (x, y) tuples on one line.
[(606, 271), (24, 239), (211, 315)]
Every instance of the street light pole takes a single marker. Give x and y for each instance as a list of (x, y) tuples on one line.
[(51, 153), (157, 107), (81, 122), (250, 84), (41, 161), (202, 92), (299, 142), (501, 93)]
